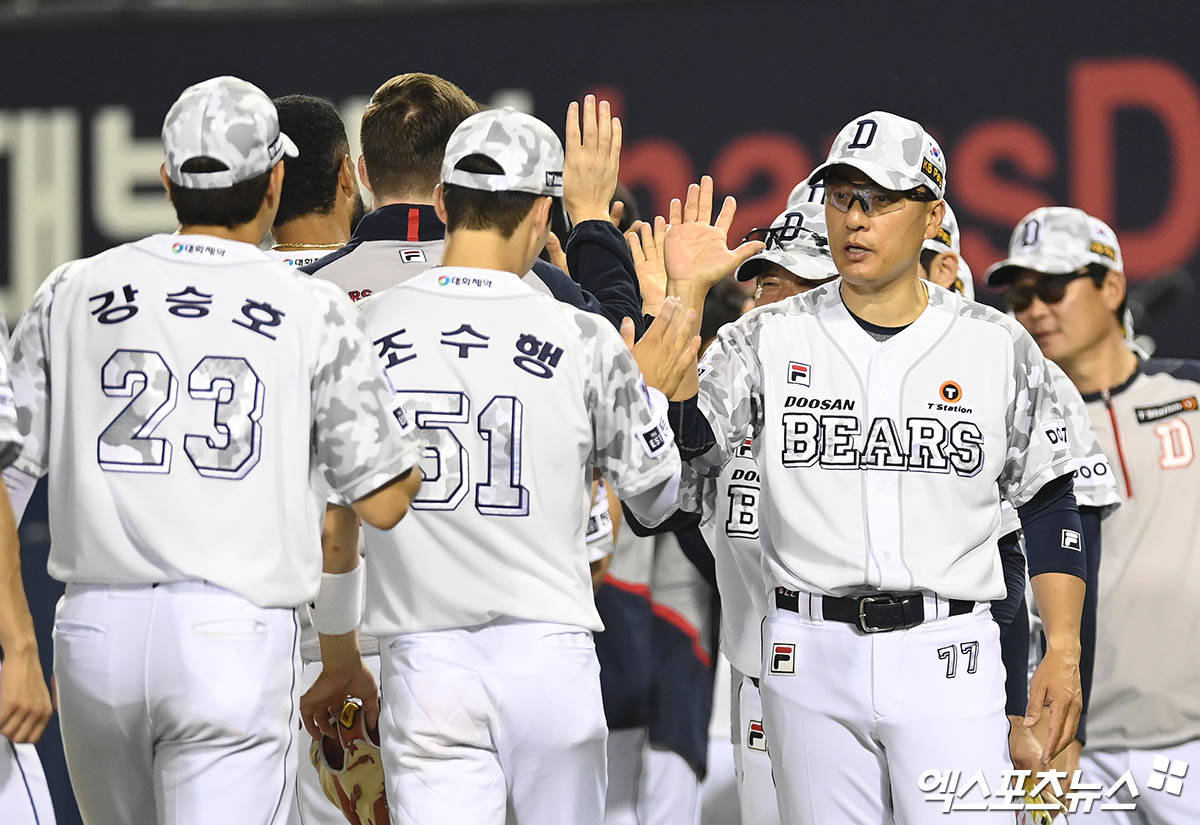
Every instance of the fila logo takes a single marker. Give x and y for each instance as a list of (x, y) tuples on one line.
[(756, 739), (783, 659), (798, 373), (1071, 540), (413, 256)]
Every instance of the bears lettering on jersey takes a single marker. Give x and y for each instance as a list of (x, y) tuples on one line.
[(924, 445)]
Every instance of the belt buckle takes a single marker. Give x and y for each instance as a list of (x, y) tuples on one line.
[(862, 613)]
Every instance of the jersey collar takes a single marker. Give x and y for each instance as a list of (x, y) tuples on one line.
[(469, 281), (201, 249), (1119, 388), (400, 222)]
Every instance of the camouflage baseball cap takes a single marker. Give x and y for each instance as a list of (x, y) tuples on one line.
[(895, 152), (228, 120), (1055, 240), (949, 239), (805, 192), (528, 151), (796, 242)]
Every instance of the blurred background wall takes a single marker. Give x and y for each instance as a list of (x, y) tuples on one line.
[(1092, 104)]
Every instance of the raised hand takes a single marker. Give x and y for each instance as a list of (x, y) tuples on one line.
[(696, 250), (646, 246), (593, 158), (666, 354)]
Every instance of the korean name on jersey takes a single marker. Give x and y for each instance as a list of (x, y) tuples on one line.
[(882, 464), (202, 393)]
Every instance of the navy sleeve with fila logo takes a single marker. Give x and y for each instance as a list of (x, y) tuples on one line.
[(959, 408)]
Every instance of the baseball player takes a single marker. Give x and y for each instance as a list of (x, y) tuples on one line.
[(1064, 280), (942, 261), (403, 236), (888, 418), (318, 208), (184, 393), (796, 259), (320, 204), (24, 701), (491, 689)]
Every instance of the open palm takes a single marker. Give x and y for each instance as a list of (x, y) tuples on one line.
[(696, 250)]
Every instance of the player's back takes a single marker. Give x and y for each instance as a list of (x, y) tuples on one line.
[(503, 383), (182, 379)]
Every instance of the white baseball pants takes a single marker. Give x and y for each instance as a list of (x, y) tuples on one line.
[(480, 721), (855, 719), (311, 806), (178, 704), (752, 764)]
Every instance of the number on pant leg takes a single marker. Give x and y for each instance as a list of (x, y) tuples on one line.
[(949, 654)]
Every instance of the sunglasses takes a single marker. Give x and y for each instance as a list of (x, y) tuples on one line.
[(874, 200), (783, 237), (1049, 289)]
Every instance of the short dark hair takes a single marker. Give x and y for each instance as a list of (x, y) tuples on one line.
[(405, 129), (228, 207), (498, 212), (310, 181), (1098, 272)]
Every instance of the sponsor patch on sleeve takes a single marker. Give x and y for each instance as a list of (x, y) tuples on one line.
[(1071, 540), (653, 440), (1056, 432)]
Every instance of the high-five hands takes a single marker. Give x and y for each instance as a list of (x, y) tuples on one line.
[(646, 246), (593, 159), (696, 249), (666, 354)]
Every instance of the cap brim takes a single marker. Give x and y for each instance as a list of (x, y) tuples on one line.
[(1001, 274), (877, 172), (289, 146), (808, 267)]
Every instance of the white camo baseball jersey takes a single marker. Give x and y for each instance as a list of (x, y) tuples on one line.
[(817, 392), (518, 397), (204, 391), (1095, 484), (730, 528)]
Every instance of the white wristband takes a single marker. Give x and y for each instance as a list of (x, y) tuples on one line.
[(339, 603)]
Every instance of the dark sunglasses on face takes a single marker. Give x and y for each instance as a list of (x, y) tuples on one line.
[(1049, 289)]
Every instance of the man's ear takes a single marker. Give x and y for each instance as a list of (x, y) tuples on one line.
[(346, 180), (166, 181), (275, 184), (362, 174), (946, 265), (1113, 289), (439, 202), (933, 221)]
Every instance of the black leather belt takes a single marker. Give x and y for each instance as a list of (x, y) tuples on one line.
[(876, 613)]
